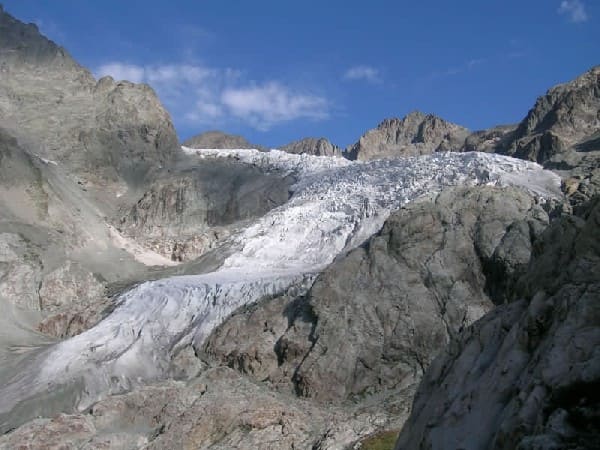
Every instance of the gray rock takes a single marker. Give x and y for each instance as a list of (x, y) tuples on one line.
[(415, 134), (375, 319), (313, 146), (562, 132), (491, 140), (219, 139), (566, 118), (74, 298), (219, 410), (188, 210), (105, 132), (526, 375)]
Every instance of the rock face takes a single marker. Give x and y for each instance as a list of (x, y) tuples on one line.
[(566, 118), (491, 140), (415, 134), (103, 131), (375, 319), (526, 375), (313, 146), (562, 132), (187, 211), (218, 139)]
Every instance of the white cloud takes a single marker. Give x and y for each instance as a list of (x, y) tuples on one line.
[(208, 96), (366, 73), (266, 105), (575, 9)]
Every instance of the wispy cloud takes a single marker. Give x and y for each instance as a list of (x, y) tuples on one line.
[(362, 72), (574, 9), (271, 103), (459, 69), (122, 71), (203, 95)]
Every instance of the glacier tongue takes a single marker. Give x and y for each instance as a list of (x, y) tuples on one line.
[(336, 204)]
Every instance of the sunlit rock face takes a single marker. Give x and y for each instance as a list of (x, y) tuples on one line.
[(413, 135), (525, 375)]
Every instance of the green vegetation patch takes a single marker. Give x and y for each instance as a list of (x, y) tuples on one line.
[(383, 440)]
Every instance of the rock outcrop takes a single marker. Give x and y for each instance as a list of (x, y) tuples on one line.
[(562, 132), (527, 374), (565, 119), (188, 210), (491, 140), (374, 320), (415, 134), (313, 146)]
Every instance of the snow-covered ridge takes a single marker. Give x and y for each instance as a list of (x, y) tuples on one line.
[(335, 205)]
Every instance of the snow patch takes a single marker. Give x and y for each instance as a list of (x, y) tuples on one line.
[(140, 254)]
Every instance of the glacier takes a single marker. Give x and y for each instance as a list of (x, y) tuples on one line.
[(334, 206)]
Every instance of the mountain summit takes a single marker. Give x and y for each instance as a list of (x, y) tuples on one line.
[(104, 131), (415, 134)]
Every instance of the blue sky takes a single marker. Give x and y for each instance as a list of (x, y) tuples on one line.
[(276, 71)]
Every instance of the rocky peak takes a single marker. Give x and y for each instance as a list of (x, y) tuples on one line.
[(107, 133), (23, 44), (566, 118), (313, 146), (415, 134), (218, 139)]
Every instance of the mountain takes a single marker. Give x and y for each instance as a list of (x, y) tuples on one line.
[(236, 298), (281, 253), (415, 134), (490, 140), (313, 146), (566, 119), (345, 346), (106, 132), (562, 131), (218, 139)]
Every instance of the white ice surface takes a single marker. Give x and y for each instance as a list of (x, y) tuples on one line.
[(336, 204)]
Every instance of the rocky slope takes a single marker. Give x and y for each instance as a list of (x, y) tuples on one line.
[(58, 253), (219, 409), (565, 119), (111, 134), (415, 134), (71, 151), (562, 131), (526, 375), (187, 211), (313, 146)]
